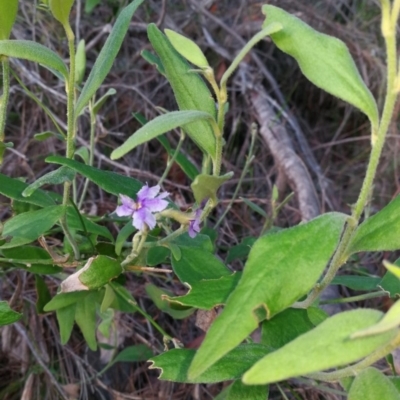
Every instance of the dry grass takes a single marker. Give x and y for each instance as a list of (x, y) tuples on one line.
[(32, 361)]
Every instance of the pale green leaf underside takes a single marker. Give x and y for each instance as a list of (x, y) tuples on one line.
[(158, 126), (324, 60), (276, 265), (327, 346)]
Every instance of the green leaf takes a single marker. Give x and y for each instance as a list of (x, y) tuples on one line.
[(7, 315), (187, 48), (153, 60), (135, 353), (42, 136), (391, 283), (209, 293), (240, 251), (111, 182), (255, 207), (371, 384), (66, 318), (13, 188), (32, 51), (190, 90), (174, 364), (85, 317), (156, 127), (27, 227), (8, 13), (60, 175), (124, 301), (196, 264), (83, 153), (99, 271), (206, 186), (238, 391), (323, 59), (379, 232), (271, 279), (157, 255), (61, 10), (326, 346), (356, 282), (90, 5), (80, 62), (107, 55), (99, 103), (285, 327), (123, 235), (43, 294), (156, 294), (108, 299), (389, 321), (62, 300)]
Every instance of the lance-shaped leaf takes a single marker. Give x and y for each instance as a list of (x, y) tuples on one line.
[(158, 126), (109, 181), (206, 186), (276, 266), (372, 384), (190, 90), (187, 48), (61, 10), (61, 175), (8, 13), (379, 232), (327, 346), (7, 315), (80, 61), (32, 51), (324, 60), (107, 55), (174, 364), (27, 227), (238, 391)]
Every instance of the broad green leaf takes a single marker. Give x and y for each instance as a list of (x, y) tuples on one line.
[(357, 282), (195, 263), (389, 321), (156, 127), (371, 384), (60, 175), (43, 294), (66, 318), (238, 391), (83, 153), (13, 188), (326, 346), (390, 282), (61, 10), (111, 182), (174, 364), (190, 90), (85, 317), (8, 13), (80, 62), (157, 294), (7, 315), (379, 232), (271, 276), (62, 300), (285, 327), (99, 271), (209, 293), (32, 51), (157, 255), (206, 186), (124, 301), (123, 236), (187, 48), (240, 251), (27, 227), (324, 60), (105, 59), (316, 315)]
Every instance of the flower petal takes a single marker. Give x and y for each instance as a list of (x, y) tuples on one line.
[(143, 218), (126, 208), (194, 228), (155, 205), (147, 192)]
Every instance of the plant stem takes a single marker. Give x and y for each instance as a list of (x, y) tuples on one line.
[(353, 370), (249, 160), (341, 254), (361, 297), (70, 89), (4, 98)]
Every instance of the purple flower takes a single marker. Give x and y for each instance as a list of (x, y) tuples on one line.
[(147, 202), (194, 224)]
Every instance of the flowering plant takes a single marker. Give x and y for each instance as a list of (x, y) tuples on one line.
[(278, 290)]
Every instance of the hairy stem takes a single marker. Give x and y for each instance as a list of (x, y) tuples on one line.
[(5, 96)]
